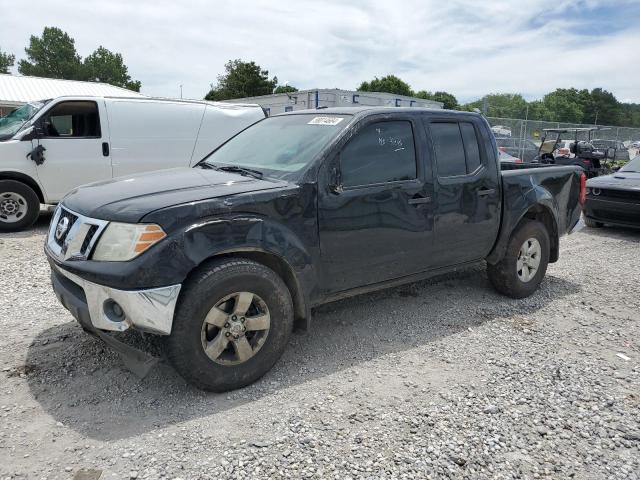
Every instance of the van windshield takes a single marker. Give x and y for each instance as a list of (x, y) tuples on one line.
[(280, 145), (13, 122)]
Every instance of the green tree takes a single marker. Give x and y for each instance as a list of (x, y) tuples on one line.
[(108, 67), (389, 84), (538, 111), (564, 105), (506, 105), (603, 108), (242, 79), (285, 89), (6, 61), (449, 101), (53, 55)]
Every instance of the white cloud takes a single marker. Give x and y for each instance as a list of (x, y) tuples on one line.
[(463, 46)]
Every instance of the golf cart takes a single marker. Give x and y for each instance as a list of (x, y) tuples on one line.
[(581, 152)]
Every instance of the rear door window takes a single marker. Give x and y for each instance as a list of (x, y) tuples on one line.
[(456, 148), (381, 152)]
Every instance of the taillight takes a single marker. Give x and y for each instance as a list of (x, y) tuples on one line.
[(502, 149), (583, 188)]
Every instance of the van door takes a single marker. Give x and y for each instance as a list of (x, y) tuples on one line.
[(152, 135), (76, 146)]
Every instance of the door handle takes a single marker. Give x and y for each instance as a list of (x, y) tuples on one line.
[(485, 192), (105, 149), (418, 200)]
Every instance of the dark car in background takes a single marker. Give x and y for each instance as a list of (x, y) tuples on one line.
[(614, 199), (621, 152), (523, 149)]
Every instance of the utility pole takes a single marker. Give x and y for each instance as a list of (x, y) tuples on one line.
[(180, 91), (596, 122)]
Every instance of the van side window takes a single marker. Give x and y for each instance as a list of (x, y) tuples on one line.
[(381, 152), (72, 120)]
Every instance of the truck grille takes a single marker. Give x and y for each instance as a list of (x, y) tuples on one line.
[(624, 195), (72, 236), (71, 219)]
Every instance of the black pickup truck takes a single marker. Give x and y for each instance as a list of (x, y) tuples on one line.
[(298, 210)]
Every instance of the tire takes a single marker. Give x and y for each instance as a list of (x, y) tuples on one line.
[(589, 222), (19, 206), (506, 277), (190, 336)]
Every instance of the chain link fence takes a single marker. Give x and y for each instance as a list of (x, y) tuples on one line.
[(523, 136)]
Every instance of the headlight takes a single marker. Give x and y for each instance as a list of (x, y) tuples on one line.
[(123, 241)]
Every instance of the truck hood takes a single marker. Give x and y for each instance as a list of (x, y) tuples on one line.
[(619, 180), (128, 199)]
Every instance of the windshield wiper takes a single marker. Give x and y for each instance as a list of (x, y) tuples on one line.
[(235, 169)]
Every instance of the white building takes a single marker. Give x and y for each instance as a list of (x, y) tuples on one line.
[(304, 99), (17, 90)]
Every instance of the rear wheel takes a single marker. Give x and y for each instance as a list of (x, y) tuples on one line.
[(524, 264), (589, 222), (232, 324), (19, 206)]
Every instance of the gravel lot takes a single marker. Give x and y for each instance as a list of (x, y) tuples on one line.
[(440, 379)]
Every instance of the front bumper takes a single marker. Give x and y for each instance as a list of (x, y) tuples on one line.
[(91, 304), (613, 212)]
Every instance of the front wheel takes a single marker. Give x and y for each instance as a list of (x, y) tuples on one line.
[(524, 264), (19, 206), (232, 323)]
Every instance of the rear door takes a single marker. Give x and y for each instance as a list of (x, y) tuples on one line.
[(379, 225), (467, 190), (73, 133)]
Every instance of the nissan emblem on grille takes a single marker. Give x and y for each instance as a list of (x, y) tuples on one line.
[(62, 227)]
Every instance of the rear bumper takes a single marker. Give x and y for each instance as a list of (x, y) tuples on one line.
[(614, 212), (146, 310)]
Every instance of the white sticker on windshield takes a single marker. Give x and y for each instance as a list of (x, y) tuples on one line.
[(326, 121)]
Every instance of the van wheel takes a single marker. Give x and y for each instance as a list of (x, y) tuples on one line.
[(524, 264), (19, 206), (232, 324), (592, 223)]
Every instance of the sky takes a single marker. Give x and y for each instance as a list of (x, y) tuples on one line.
[(465, 47)]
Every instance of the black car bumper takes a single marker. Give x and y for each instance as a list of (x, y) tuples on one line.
[(616, 212)]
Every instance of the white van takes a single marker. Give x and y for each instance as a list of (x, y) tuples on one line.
[(48, 148)]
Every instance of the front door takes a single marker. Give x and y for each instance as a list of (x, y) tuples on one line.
[(378, 225), (73, 136), (467, 204)]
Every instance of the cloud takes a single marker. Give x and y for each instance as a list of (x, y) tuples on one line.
[(465, 47)]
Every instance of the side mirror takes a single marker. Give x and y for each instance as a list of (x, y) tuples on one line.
[(34, 131), (335, 180)]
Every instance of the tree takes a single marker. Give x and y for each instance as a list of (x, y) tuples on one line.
[(108, 67), (53, 55), (6, 61), (389, 84), (603, 108), (449, 101), (563, 105), (506, 105), (285, 89), (242, 79)]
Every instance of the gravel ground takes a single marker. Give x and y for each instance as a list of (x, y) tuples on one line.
[(440, 379)]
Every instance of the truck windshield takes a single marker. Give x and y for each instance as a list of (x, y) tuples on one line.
[(279, 145), (13, 122)]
